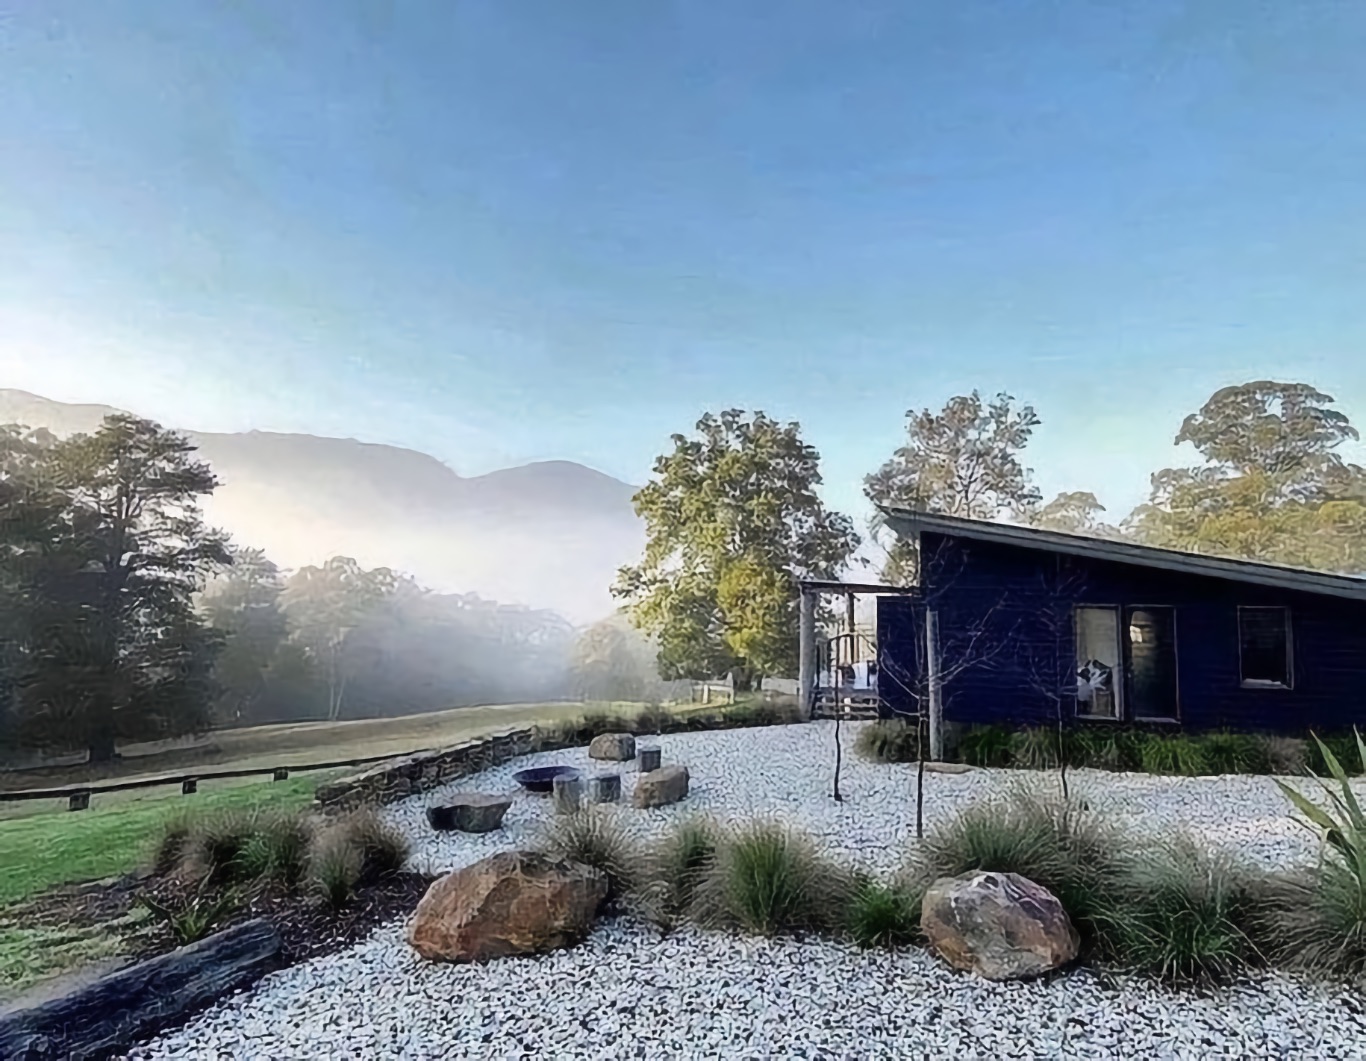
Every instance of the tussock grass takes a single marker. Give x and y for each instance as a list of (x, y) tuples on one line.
[(882, 915), (888, 741), (768, 879), (676, 866), (598, 838)]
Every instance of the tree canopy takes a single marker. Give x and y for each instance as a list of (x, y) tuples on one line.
[(733, 520), (1272, 484)]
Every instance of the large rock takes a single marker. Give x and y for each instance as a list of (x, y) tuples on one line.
[(617, 747), (668, 784), (473, 812), (516, 902), (999, 925)]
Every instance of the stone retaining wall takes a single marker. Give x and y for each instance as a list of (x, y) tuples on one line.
[(398, 778)]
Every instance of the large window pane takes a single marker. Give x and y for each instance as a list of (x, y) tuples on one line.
[(1098, 655), (1264, 646)]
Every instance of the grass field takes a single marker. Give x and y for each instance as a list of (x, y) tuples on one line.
[(263, 747)]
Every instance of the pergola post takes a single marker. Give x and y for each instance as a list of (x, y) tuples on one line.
[(806, 653), (936, 690)]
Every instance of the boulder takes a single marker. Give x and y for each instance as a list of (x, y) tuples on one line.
[(668, 784), (1000, 926), (473, 812), (617, 747), (515, 902)]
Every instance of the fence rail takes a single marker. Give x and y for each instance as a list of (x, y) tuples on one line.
[(79, 795)]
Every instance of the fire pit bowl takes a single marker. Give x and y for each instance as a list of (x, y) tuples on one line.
[(541, 779)]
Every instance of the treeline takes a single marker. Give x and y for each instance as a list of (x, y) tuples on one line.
[(124, 617), (734, 519)]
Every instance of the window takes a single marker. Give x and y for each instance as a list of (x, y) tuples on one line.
[(1150, 669), (1098, 654), (1264, 647)]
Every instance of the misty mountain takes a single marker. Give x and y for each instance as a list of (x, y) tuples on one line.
[(548, 535)]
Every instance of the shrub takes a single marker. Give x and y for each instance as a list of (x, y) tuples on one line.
[(1177, 754), (596, 838), (1034, 748), (1286, 755), (193, 915), (276, 850), (653, 719), (1341, 745), (334, 868), (1321, 921), (986, 746), (882, 915), (215, 848), (1105, 748), (768, 879), (1185, 915), (888, 741), (676, 866), (1235, 753), (1326, 929), (1056, 843), (173, 846), (380, 849)]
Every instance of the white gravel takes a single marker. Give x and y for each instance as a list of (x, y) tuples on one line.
[(628, 993)]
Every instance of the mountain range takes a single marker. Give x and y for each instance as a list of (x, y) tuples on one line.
[(548, 535)]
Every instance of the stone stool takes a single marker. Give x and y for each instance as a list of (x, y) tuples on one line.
[(649, 759), (607, 788)]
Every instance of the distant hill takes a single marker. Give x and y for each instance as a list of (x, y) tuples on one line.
[(549, 535)]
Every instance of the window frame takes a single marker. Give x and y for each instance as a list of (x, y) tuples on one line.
[(1264, 683), (1117, 679), (1155, 720)]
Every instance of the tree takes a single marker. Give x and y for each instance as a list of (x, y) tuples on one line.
[(324, 605), (123, 654), (243, 603), (962, 461), (612, 661), (1271, 487), (733, 521), (1071, 512)]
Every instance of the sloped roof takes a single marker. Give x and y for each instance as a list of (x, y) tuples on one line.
[(909, 523)]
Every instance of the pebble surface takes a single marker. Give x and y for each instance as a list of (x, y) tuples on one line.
[(627, 992)]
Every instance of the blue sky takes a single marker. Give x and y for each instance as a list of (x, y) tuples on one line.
[(513, 230)]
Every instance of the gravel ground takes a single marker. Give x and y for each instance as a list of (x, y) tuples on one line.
[(628, 993)]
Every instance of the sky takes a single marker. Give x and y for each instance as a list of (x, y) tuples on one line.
[(521, 230)]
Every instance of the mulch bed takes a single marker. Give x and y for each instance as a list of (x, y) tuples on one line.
[(308, 927)]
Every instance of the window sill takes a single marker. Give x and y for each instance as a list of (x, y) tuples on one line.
[(1254, 683), (1157, 721), (1098, 718)]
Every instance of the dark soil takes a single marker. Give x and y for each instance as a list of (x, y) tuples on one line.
[(308, 926)]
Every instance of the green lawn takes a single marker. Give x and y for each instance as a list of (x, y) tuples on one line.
[(61, 847)]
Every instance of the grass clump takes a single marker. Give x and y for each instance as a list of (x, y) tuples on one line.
[(277, 850), (597, 838), (1177, 755), (1286, 756), (1058, 844), (986, 746), (768, 879), (334, 869), (380, 849), (1034, 748), (888, 741), (1235, 753), (676, 867), (1186, 915), (882, 915)]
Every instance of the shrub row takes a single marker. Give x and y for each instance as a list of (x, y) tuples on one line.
[(1182, 913), (657, 720), (1111, 748), (210, 866)]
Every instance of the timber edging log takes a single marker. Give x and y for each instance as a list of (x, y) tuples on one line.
[(111, 1015)]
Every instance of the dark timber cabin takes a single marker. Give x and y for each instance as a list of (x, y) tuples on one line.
[(1035, 625)]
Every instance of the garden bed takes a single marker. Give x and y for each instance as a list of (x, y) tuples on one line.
[(630, 988)]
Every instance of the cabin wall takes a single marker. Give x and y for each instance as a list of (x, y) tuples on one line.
[(1007, 640)]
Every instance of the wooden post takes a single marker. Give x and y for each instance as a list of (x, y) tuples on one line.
[(806, 654), (936, 692), (79, 800), (189, 786)]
